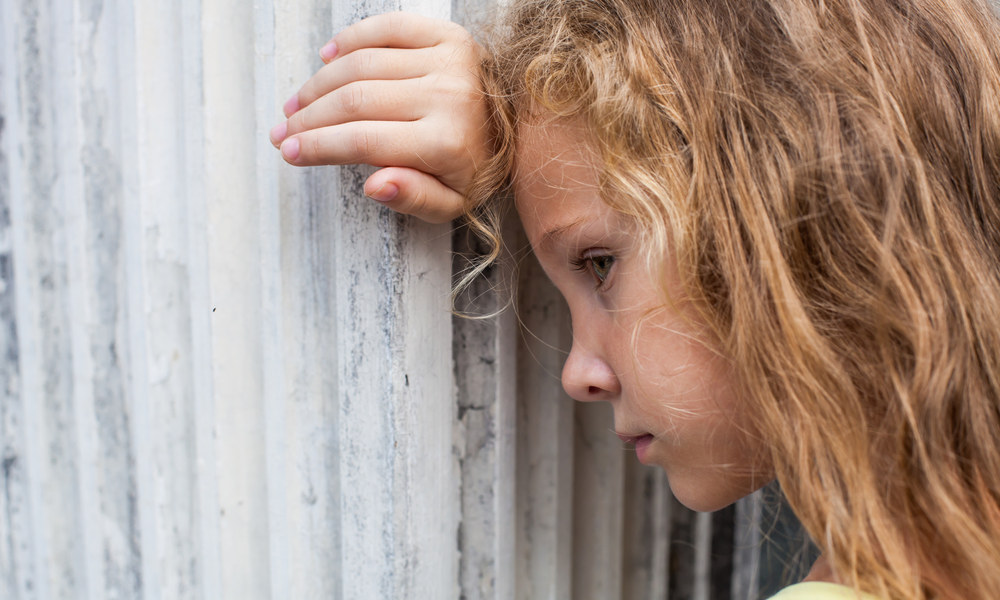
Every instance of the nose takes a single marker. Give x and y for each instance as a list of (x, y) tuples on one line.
[(587, 377)]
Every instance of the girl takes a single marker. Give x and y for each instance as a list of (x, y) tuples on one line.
[(777, 227)]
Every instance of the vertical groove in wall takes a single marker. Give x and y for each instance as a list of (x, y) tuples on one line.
[(484, 353), (682, 557), (205, 520), (29, 581), (425, 416), (746, 557), (234, 258), (97, 231), (228, 377), (545, 442), (364, 328), (702, 556), (393, 527), (598, 520), (478, 425), (128, 92), (505, 470), (306, 212), (723, 545), (163, 310), (69, 200), (649, 515), (16, 565), (124, 85), (427, 498), (42, 311), (271, 341), (663, 508)]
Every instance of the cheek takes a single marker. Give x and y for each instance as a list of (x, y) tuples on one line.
[(667, 358), (683, 385)]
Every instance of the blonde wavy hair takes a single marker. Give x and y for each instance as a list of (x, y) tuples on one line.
[(826, 175)]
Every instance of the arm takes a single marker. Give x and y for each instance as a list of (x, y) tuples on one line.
[(398, 91)]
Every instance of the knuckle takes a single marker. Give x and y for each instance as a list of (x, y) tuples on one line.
[(449, 85), (395, 23), (449, 30), (436, 81), (358, 65), (352, 99), (307, 93), (460, 88), (308, 149), (312, 149), (453, 148), (458, 42), (364, 143), (316, 86), (363, 64), (460, 35), (298, 122)]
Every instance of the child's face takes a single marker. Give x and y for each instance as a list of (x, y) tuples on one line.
[(673, 398)]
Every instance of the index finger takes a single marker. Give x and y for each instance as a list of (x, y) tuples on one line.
[(390, 30)]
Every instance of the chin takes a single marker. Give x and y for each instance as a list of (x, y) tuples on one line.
[(702, 503), (709, 496)]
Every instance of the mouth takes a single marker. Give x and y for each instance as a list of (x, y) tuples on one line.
[(639, 442)]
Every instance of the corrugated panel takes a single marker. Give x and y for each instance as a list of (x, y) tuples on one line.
[(224, 377)]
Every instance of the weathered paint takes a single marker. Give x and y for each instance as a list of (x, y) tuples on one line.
[(544, 519), (599, 466), (647, 529), (485, 355), (17, 574), (225, 377), (306, 482)]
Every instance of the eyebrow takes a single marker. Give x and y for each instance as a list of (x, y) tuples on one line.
[(557, 232)]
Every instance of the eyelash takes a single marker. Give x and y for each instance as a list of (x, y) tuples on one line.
[(586, 263)]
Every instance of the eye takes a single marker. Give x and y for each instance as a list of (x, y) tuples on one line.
[(599, 266)]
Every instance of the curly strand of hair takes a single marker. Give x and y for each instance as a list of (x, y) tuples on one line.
[(825, 174)]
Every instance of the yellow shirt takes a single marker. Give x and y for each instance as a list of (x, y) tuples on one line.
[(818, 590)]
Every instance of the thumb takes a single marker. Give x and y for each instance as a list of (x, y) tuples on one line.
[(414, 192)]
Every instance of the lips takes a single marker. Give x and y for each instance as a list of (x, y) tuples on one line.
[(639, 442), (630, 440)]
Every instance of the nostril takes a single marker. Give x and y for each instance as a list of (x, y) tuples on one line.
[(586, 377)]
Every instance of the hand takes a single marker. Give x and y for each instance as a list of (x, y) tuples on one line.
[(398, 91)]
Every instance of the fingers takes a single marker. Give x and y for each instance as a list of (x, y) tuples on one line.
[(377, 143), (414, 193), (399, 91), (359, 101), (365, 64), (417, 144), (390, 30)]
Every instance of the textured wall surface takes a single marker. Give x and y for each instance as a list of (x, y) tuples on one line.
[(224, 377)]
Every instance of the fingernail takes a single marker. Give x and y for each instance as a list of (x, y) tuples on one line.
[(291, 105), (290, 149), (328, 51), (279, 132), (386, 193)]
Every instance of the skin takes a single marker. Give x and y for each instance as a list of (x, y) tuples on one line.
[(651, 364), (391, 85), (399, 91)]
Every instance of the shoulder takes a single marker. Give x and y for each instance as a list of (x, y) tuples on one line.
[(816, 590)]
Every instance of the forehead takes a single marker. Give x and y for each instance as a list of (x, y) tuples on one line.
[(555, 177), (556, 150)]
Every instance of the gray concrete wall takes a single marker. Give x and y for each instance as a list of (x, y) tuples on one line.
[(224, 377)]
